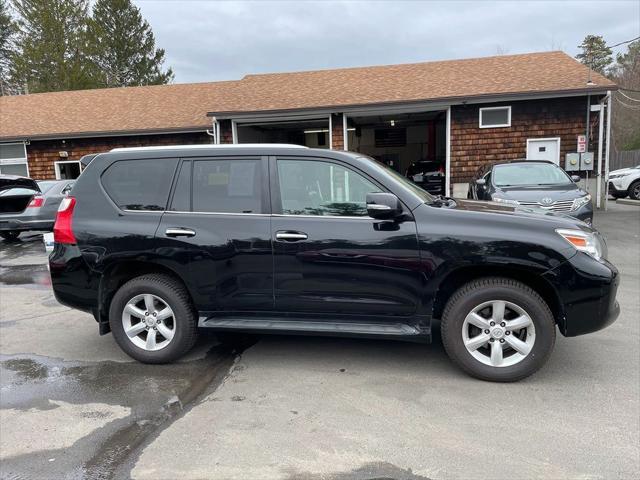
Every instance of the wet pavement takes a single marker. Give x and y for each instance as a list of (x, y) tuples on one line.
[(73, 406)]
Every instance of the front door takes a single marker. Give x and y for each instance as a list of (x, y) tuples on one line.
[(544, 149), (329, 256), (216, 233)]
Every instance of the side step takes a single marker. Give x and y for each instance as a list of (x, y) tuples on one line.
[(309, 326)]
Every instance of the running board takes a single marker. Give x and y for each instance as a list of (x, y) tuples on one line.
[(358, 328)]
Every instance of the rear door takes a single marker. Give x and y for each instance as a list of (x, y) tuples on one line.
[(329, 256), (216, 233)]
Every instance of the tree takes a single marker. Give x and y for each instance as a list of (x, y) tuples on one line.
[(595, 53), (8, 30), (122, 46), (51, 43), (626, 109)]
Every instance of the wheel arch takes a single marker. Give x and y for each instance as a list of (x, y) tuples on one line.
[(117, 274), (460, 276)]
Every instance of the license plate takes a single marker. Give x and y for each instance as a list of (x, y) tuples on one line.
[(47, 238), (418, 178)]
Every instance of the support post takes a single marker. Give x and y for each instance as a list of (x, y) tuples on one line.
[(599, 170), (608, 150), (447, 172)]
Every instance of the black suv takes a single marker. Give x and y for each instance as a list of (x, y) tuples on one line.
[(159, 242)]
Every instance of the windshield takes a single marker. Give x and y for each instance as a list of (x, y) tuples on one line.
[(514, 174), (423, 194)]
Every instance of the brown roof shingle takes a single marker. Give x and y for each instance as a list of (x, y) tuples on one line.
[(184, 106)]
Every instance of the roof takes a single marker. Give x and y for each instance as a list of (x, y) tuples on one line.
[(185, 106)]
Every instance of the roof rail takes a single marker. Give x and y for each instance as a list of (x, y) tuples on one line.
[(202, 147)]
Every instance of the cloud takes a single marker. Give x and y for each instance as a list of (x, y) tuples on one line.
[(225, 40)]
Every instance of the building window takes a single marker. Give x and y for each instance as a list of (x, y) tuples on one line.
[(13, 159), (68, 170), (492, 117)]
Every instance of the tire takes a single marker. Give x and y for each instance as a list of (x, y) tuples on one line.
[(163, 291), (634, 190), (537, 339), (9, 235)]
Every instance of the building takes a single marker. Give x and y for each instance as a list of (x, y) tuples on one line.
[(462, 113)]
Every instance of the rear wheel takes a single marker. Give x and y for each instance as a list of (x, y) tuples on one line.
[(634, 190), (9, 234), (498, 329), (152, 319)]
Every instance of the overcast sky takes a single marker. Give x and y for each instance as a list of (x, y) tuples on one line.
[(225, 40)]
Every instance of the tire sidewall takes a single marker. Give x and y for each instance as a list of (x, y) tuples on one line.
[(539, 313), (631, 190), (183, 316)]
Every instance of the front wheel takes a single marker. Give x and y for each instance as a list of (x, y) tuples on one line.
[(152, 319), (634, 190), (498, 329)]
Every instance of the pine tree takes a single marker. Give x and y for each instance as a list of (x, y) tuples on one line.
[(51, 41), (8, 31), (122, 46), (595, 53)]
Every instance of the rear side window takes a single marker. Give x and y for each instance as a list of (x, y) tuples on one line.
[(140, 184), (227, 186)]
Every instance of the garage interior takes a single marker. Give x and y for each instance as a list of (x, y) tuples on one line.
[(397, 140)]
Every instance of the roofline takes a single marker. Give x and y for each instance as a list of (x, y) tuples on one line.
[(443, 101), (110, 133)]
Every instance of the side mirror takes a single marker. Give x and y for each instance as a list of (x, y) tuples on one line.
[(481, 182), (575, 178), (383, 205)]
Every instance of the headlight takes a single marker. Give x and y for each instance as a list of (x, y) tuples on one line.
[(504, 200), (620, 175), (581, 201), (587, 242)]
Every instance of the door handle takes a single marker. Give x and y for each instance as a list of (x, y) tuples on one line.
[(291, 236), (180, 232)]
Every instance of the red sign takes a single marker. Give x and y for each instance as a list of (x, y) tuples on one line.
[(582, 143)]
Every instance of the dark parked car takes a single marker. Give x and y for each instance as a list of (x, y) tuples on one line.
[(428, 175), (532, 183), (29, 205), (159, 242)]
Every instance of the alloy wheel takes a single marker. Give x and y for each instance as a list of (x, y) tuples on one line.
[(498, 333), (148, 322)]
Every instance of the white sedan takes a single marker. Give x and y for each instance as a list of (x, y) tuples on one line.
[(625, 181)]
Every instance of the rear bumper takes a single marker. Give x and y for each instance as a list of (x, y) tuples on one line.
[(72, 280), (587, 291), (26, 224)]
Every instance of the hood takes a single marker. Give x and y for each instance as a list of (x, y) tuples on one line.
[(560, 219), (625, 170), (536, 193), (7, 182)]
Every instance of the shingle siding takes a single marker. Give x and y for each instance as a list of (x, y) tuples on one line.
[(472, 146)]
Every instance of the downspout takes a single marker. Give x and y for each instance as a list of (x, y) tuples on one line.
[(214, 133), (447, 163), (607, 151)]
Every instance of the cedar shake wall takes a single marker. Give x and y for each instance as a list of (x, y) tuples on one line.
[(42, 154), (337, 132), (472, 146)]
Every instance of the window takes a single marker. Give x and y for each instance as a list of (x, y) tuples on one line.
[(13, 159), (492, 117), (140, 184), (181, 201), (322, 188), (67, 170), (227, 186)]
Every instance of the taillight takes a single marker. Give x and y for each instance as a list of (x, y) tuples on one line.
[(62, 232), (441, 169), (36, 201)]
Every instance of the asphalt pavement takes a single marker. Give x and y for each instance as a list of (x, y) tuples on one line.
[(72, 406)]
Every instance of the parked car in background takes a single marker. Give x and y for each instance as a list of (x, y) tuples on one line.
[(29, 205), (532, 183), (159, 242), (429, 175), (625, 182)]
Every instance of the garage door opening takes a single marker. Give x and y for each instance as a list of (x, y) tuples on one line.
[(413, 144), (309, 133)]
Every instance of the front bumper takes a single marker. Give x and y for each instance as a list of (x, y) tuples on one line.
[(587, 292), (616, 188)]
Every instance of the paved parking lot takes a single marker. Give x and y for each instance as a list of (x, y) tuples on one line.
[(73, 406)]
